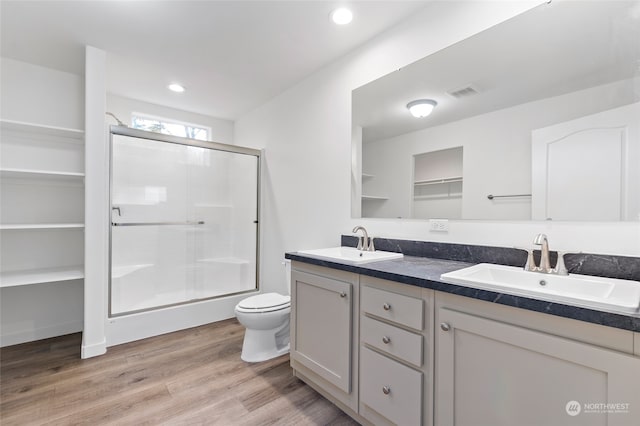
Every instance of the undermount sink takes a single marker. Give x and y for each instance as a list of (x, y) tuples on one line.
[(351, 255), (588, 291)]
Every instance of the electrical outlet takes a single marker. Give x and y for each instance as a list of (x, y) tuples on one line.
[(439, 225)]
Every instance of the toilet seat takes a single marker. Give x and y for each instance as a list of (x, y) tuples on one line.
[(266, 302)]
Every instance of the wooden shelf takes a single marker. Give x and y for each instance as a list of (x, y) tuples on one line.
[(438, 181), (39, 276), (373, 198), (41, 225), (21, 126)]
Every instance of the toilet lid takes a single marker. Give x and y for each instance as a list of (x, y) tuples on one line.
[(265, 300)]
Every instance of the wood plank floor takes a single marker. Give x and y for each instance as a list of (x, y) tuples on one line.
[(191, 377)]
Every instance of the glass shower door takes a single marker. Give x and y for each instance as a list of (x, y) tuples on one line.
[(183, 223)]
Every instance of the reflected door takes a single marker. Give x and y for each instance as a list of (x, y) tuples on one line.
[(183, 223), (586, 169)]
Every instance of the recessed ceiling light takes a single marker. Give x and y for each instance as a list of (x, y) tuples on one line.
[(421, 107), (175, 87), (341, 16)]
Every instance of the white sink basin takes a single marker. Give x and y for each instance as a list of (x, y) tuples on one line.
[(351, 255), (588, 291)]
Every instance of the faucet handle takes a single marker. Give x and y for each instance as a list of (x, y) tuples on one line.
[(371, 247), (531, 263), (560, 268)]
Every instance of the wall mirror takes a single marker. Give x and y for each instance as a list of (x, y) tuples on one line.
[(537, 118)]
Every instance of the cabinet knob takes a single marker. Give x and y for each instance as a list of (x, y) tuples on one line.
[(386, 390), (343, 294), (385, 340), (445, 327), (386, 307)]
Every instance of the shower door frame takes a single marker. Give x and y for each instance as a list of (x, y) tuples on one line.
[(217, 146)]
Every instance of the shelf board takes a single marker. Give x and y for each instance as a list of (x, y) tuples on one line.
[(437, 197), (367, 176), (35, 174), (22, 126), (374, 198), (39, 276), (438, 181), (41, 225)]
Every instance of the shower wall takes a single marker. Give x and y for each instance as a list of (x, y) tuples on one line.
[(184, 223)]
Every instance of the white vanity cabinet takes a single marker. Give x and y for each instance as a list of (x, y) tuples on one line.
[(394, 354), (324, 331), (497, 365)]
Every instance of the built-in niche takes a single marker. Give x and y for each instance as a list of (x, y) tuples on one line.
[(437, 184)]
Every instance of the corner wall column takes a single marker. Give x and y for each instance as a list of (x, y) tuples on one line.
[(96, 240)]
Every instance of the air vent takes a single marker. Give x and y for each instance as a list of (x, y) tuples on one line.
[(463, 92)]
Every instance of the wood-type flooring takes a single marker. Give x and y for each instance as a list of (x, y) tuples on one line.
[(190, 377)]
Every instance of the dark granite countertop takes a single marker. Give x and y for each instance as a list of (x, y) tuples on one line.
[(425, 272)]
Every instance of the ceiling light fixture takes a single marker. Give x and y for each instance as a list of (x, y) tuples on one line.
[(341, 16), (421, 107), (175, 87)]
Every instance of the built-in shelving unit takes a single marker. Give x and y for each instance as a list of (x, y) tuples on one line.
[(370, 197), (42, 203), (437, 185)]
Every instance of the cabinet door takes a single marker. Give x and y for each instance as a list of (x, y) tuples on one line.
[(322, 327), (492, 373)]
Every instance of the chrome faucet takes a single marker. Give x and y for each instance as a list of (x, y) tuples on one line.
[(364, 243), (545, 265)]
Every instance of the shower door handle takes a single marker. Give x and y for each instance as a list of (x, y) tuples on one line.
[(199, 222)]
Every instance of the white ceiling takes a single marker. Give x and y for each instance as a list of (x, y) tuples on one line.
[(231, 55)]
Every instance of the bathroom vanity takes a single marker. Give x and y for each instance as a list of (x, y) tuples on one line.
[(390, 343)]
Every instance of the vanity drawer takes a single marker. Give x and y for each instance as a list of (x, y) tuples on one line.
[(394, 307), (390, 388), (392, 340)]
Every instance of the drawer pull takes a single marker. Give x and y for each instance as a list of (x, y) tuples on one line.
[(343, 294), (386, 390), (445, 327), (386, 340), (386, 307)]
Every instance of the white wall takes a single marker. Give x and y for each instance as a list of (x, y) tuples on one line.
[(306, 133), (221, 130), (35, 94), (497, 152), (40, 95)]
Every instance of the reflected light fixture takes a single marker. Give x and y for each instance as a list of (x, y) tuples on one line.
[(175, 87), (341, 16), (421, 107)]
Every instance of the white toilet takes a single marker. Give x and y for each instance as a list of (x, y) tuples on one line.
[(266, 317)]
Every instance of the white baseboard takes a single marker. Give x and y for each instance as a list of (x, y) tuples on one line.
[(40, 333), (89, 351)]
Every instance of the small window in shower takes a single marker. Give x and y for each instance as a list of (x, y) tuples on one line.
[(170, 127)]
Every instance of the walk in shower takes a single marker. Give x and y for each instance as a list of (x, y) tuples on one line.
[(184, 221)]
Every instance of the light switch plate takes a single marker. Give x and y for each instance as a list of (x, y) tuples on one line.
[(439, 225)]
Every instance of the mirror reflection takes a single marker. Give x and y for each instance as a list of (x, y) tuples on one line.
[(537, 118)]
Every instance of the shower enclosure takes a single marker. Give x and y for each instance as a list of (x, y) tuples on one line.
[(184, 220)]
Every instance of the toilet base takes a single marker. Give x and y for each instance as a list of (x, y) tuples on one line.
[(262, 345)]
